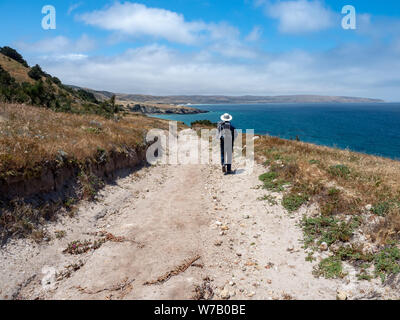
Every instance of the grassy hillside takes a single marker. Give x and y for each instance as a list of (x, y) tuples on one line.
[(30, 136), (37, 142), (357, 198), (16, 70), (21, 84)]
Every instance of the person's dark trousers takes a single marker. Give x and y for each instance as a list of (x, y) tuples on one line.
[(222, 144)]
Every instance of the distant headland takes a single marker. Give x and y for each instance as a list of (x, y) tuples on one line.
[(221, 99)]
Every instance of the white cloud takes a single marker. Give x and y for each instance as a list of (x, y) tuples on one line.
[(73, 7), (377, 27), (300, 16), (138, 20), (59, 44), (254, 35), (259, 3), (234, 49), (132, 19), (154, 69), (221, 31), (65, 57), (396, 45), (224, 39)]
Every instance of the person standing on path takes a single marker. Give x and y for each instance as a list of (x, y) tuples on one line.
[(227, 134)]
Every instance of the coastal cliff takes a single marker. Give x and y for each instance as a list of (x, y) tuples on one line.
[(163, 109)]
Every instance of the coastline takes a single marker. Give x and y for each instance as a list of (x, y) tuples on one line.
[(356, 127), (149, 109)]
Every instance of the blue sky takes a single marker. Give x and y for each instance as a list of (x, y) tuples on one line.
[(260, 47)]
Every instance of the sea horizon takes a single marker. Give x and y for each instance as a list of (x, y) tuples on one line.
[(369, 128)]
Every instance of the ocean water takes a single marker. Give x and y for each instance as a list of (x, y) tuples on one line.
[(366, 128)]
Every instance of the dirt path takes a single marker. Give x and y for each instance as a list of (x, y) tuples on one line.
[(171, 232)]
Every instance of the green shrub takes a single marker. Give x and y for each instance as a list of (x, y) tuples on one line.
[(292, 202), (203, 122), (333, 192), (382, 208), (57, 81), (354, 254), (272, 181), (387, 261), (327, 229), (13, 54), (87, 96), (339, 170), (330, 268), (36, 73), (268, 176)]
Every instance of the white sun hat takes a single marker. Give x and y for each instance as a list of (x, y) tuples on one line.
[(226, 117)]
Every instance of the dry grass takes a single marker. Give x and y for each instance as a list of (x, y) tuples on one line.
[(389, 228), (370, 178), (29, 136), (15, 69), (342, 182), (33, 139)]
